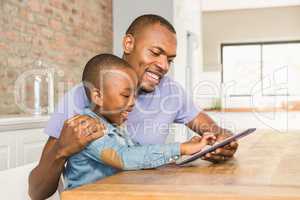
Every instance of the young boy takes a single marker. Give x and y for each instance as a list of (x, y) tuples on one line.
[(111, 84)]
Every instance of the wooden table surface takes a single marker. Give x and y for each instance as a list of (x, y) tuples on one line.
[(266, 166)]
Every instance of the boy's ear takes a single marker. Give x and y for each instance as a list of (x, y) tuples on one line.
[(97, 97), (128, 43)]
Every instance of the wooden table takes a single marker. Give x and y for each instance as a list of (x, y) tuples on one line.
[(266, 166)]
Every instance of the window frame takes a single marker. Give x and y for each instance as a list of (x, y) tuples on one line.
[(261, 44)]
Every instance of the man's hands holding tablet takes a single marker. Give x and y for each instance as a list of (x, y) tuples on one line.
[(211, 149), (224, 153)]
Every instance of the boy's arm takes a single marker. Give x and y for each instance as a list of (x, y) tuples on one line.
[(108, 150)]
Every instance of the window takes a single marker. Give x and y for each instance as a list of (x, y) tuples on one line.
[(274, 67)]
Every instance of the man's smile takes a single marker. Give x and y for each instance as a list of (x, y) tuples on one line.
[(153, 77)]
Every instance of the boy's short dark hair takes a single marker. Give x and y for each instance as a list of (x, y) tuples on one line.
[(93, 68)]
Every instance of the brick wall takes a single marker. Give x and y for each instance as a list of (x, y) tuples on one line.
[(60, 35)]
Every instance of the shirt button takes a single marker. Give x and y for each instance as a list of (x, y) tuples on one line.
[(176, 157), (173, 158)]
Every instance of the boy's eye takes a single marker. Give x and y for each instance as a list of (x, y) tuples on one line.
[(126, 95)]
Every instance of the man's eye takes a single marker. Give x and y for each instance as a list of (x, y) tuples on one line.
[(155, 53), (170, 61), (125, 95)]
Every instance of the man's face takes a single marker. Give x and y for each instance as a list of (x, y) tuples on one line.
[(153, 52)]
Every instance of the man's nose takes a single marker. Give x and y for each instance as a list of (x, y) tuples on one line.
[(163, 64)]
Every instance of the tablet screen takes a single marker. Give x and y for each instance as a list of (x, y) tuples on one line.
[(215, 146)]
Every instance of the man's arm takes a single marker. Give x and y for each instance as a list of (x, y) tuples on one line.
[(203, 123), (43, 179), (75, 135)]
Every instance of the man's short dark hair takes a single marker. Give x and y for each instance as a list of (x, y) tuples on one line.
[(148, 19), (94, 67)]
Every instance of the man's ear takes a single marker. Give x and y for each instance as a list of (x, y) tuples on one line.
[(128, 43), (97, 97)]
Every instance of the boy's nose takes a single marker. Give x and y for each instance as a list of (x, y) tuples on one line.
[(131, 104)]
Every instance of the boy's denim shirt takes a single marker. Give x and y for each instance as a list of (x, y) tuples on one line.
[(113, 152)]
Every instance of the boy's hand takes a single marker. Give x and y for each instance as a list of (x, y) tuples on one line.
[(197, 143), (77, 132)]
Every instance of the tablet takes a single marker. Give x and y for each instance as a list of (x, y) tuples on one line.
[(215, 146)]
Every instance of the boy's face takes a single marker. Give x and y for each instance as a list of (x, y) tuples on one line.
[(118, 94), (150, 54)]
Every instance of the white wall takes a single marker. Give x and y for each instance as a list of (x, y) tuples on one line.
[(187, 18), (208, 90), (238, 26)]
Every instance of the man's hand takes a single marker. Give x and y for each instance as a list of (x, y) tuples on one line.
[(77, 132), (203, 123), (222, 154)]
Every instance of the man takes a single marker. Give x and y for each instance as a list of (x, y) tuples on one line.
[(149, 47)]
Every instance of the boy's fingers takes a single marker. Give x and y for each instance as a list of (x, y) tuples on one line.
[(211, 142), (196, 139), (209, 135), (211, 139)]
